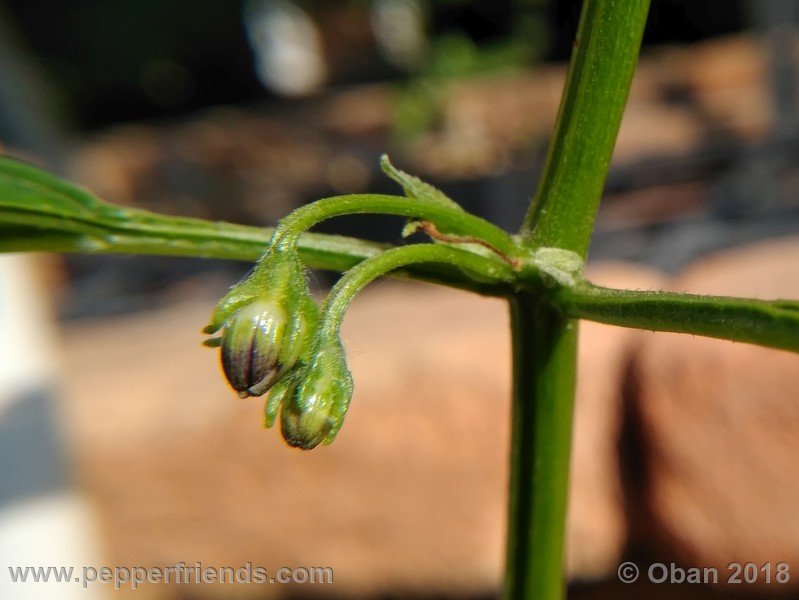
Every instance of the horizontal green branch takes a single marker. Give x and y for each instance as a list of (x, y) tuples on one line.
[(765, 323), (40, 212), (43, 213)]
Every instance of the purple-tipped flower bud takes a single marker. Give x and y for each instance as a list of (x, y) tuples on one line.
[(251, 347), (269, 322)]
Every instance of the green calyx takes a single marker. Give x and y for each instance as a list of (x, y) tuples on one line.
[(313, 403), (268, 323)]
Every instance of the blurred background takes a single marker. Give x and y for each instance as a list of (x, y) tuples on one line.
[(119, 441)]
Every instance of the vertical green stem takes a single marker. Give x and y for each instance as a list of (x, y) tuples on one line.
[(544, 353), (597, 86), (544, 341)]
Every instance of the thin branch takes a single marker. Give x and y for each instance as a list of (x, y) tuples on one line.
[(767, 323)]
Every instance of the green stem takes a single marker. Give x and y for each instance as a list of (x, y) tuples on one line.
[(767, 323), (44, 213), (450, 220), (354, 280), (544, 342), (544, 358), (235, 242), (597, 86)]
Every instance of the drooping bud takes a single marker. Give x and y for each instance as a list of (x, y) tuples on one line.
[(313, 410), (268, 322), (256, 350)]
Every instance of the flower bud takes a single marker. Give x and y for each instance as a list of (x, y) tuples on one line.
[(251, 347), (313, 411), (269, 321)]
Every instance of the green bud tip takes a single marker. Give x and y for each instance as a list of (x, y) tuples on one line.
[(313, 411)]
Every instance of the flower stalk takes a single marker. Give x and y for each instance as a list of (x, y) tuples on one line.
[(313, 399)]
